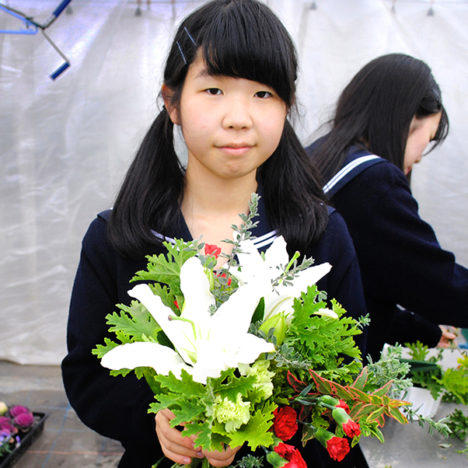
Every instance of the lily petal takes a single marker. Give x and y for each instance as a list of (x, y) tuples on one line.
[(277, 254), (144, 354), (234, 316), (196, 290), (180, 333)]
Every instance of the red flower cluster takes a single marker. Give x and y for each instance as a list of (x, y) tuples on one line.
[(337, 448), (344, 405), (285, 422), (351, 429), (212, 249), (291, 454)]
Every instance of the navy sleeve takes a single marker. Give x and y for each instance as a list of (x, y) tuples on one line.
[(113, 406), (343, 283), (409, 327), (401, 260)]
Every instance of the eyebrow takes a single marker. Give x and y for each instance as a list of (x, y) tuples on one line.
[(203, 73)]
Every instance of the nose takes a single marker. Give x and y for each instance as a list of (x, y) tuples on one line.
[(237, 113)]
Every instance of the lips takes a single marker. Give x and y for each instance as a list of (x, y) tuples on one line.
[(235, 148)]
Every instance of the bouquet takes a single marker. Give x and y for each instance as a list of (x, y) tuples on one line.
[(250, 353)]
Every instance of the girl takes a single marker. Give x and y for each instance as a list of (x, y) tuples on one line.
[(229, 83), (392, 108)]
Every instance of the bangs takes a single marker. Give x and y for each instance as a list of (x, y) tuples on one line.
[(246, 40)]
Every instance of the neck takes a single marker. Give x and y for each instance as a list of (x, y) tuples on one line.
[(211, 207), (217, 196)]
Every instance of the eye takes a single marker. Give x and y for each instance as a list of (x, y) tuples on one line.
[(263, 94), (213, 91)]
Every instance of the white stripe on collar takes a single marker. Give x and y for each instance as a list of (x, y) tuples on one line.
[(345, 170), (259, 242)]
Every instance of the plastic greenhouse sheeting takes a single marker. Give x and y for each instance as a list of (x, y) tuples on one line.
[(66, 144)]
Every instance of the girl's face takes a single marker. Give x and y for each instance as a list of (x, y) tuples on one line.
[(421, 132), (231, 126)]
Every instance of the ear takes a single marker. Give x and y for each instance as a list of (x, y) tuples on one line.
[(167, 94)]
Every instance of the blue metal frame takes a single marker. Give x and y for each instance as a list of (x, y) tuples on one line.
[(31, 27)]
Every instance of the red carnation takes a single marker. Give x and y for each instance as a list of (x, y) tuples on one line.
[(285, 422), (344, 405), (337, 448), (212, 249), (351, 428), (291, 454)]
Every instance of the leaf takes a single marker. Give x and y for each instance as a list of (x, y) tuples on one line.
[(257, 431), (203, 433), (361, 379), (321, 341), (396, 414), (134, 321), (259, 311), (166, 268), (383, 390), (236, 385), (100, 350), (184, 386)]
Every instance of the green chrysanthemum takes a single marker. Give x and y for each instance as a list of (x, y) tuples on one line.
[(231, 414)]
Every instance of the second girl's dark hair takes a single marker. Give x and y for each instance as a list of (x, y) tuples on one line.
[(376, 108), (238, 38)]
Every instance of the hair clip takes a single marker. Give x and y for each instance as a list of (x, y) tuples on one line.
[(190, 36), (181, 53)]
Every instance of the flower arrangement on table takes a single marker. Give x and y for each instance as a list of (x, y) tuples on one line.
[(14, 423), (250, 353), (448, 383)]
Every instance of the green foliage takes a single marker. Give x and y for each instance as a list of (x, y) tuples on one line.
[(322, 342), (389, 368), (165, 268), (455, 381), (256, 432), (191, 402), (427, 373), (249, 461), (242, 231), (458, 424), (134, 321)]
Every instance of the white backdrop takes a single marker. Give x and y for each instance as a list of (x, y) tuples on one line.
[(65, 145)]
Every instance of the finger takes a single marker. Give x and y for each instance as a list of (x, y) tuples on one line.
[(222, 458), (172, 434), (173, 443)]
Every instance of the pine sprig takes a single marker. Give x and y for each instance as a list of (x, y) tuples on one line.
[(292, 269), (242, 231)]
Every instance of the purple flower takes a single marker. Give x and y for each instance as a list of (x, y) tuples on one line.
[(18, 409), (24, 420)]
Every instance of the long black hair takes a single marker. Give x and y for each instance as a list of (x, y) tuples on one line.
[(237, 38), (375, 111)]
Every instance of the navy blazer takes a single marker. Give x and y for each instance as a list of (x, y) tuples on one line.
[(400, 258)]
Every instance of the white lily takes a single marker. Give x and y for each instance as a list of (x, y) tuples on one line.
[(264, 271), (205, 344)]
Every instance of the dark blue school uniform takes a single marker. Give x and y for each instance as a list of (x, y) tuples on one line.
[(400, 258), (116, 407)]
